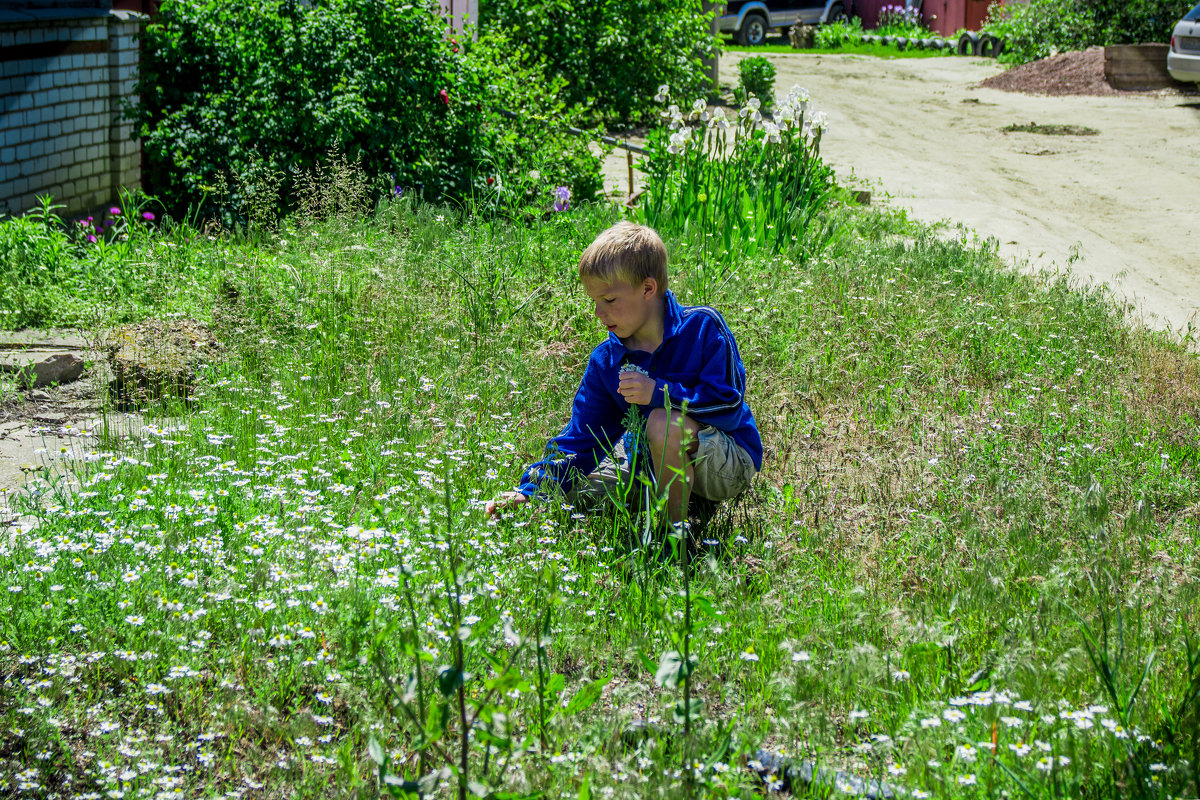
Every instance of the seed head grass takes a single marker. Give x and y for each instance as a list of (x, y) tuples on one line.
[(968, 566)]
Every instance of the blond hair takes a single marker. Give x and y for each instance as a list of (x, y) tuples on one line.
[(627, 251)]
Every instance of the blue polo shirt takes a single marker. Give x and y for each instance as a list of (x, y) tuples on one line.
[(697, 366)]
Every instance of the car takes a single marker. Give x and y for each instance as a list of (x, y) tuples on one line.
[(1183, 59), (751, 21)]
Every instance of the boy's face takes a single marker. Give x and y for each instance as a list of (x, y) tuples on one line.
[(626, 310)]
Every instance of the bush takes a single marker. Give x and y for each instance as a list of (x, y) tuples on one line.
[(1136, 21), (1041, 28), (836, 34), (756, 78), (613, 54), (897, 20), (251, 95)]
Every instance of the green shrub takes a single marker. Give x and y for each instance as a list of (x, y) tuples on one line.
[(1041, 28), (253, 95), (1135, 21), (899, 20), (757, 78), (613, 54), (836, 34)]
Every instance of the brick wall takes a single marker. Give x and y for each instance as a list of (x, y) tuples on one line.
[(64, 76)]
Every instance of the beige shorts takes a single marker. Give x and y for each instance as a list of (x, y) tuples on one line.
[(722, 469)]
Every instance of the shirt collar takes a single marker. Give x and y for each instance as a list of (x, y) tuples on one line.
[(672, 317)]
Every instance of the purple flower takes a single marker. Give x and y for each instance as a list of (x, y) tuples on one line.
[(398, 191), (116, 212), (146, 215), (91, 238), (562, 198), (107, 223)]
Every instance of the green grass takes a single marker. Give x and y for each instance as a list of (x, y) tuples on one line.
[(780, 45), (977, 523)]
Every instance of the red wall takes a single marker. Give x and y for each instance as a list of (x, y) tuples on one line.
[(941, 16)]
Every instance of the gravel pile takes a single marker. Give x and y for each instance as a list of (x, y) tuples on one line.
[(1078, 72)]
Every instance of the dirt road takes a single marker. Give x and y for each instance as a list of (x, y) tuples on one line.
[(917, 132), (1127, 200)]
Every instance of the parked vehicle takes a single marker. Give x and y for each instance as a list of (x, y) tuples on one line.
[(1183, 59), (751, 21)]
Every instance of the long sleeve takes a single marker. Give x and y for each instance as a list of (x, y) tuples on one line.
[(595, 427), (717, 396)]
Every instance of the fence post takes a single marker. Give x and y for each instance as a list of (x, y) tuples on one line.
[(712, 63)]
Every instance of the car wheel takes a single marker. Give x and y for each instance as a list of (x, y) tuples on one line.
[(754, 30), (837, 13)]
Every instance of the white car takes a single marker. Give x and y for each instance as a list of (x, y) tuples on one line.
[(1183, 60), (751, 21)]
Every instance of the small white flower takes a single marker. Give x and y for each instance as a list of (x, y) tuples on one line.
[(749, 655)]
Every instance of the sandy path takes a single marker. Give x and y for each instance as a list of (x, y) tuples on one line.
[(919, 135), (1127, 199)]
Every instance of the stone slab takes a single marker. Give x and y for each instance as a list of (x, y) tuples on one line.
[(42, 367), (43, 339), (1138, 66)]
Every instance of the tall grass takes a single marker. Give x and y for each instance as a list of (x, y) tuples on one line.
[(968, 568)]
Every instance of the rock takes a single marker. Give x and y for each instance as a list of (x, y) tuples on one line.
[(156, 359), (37, 367), (39, 395), (803, 37)]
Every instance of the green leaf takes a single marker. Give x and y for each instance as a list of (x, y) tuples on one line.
[(450, 680), (645, 661), (587, 696), (705, 607), (672, 670), (585, 793), (694, 708), (375, 751)]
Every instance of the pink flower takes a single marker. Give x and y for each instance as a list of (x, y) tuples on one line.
[(146, 215), (115, 211), (445, 98), (91, 238)]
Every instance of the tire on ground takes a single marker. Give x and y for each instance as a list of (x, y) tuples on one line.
[(968, 44)]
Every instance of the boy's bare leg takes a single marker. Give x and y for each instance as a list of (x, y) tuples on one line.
[(673, 440)]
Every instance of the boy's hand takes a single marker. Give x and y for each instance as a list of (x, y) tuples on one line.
[(504, 501), (636, 388)]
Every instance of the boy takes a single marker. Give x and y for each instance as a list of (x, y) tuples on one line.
[(678, 365)]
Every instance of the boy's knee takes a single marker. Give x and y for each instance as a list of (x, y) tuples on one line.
[(661, 424)]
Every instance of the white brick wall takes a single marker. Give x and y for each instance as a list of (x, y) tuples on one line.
[(60, 126)]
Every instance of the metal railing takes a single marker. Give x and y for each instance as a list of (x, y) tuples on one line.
[(624, 144)]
